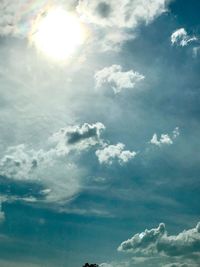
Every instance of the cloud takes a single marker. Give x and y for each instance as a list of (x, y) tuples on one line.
[(121, 14), (114, 22), (78, 137), (165, 139), (16, 16), (117, 79), (60, 179), (157, 241), (7, 16), (181, 38), (19, 162), (52, 166), (110, 153), (144, 242)]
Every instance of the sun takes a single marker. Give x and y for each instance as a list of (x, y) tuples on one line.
[(58, 34)]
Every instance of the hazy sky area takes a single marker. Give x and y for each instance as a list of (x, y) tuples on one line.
[(99, 133)]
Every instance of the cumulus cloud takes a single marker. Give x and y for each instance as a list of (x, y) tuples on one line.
[(157, 241), (117, 79), (110, 153), (165, 139), (181, 38), (78, 137), (19, 162), (144, 242), (121, 14)]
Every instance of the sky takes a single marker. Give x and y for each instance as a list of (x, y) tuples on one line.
[(99, 133)]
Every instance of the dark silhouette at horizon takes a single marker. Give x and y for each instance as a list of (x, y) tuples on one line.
[(90, 265)]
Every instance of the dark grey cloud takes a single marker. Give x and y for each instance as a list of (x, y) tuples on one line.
[(86, 131), (77, 137)]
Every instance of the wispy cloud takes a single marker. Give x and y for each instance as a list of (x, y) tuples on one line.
[(181, 38)]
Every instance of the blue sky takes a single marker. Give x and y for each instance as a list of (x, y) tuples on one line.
[(102, 144)]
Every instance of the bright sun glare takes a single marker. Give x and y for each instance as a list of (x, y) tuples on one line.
[(58, 34)]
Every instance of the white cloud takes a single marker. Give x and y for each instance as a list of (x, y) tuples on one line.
[(116, 78), (7, 16), (111, 153), (121, 14), (165, 139), (115, 22), (157, 241), (19, 162), (181, 38), (144, 242)]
